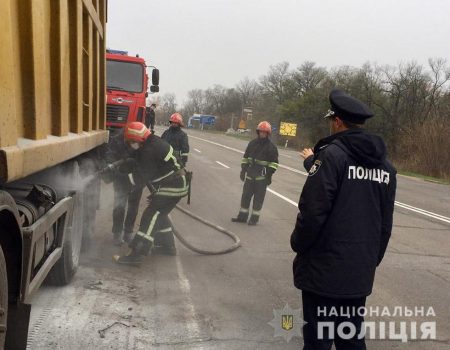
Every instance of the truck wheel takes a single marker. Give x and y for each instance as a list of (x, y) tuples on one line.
[(63, 271), (3, 299)]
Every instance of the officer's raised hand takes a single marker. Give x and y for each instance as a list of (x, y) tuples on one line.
[(306, 153)]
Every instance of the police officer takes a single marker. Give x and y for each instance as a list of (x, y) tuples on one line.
[(126, 198), (344, 223), (177, 138), (156, 166), (257, 167), (150, 117)]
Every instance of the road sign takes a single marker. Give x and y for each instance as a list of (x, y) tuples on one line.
[(288, 129), (242, 124)]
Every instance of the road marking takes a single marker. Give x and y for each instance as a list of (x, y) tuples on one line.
[(197, 150), (290, 201), (224, 165), (285, 155), (192, 326), (241, 152), (423, 212), (399, 204)]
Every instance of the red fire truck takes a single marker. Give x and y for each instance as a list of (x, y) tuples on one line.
[(127, 88)]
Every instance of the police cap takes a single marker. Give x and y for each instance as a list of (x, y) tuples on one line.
[(348, 108)]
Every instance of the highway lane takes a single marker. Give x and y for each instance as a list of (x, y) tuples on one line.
[(226, 302)]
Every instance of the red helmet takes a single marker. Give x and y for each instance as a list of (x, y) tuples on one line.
[(264, 126), (137, 132), (176, 118)]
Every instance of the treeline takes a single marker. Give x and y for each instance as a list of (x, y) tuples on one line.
[(411, 104)]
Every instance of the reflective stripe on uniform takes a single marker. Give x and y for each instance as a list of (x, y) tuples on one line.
[(130, 177), (172, 194), (170, 156), (258, 178), (261, 162), (175, 189), (244, 161), (164, 176), (243, 210), (273, 165), (248, 177), (256, 212), (152, 224), (143, 235), (184, 154), (165, 230)]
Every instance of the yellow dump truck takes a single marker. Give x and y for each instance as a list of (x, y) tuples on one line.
[(52, 125)]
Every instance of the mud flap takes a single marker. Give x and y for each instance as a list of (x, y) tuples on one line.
[(18, 322)]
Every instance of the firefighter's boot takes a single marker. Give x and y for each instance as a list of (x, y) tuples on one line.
[(253, 220), (242, 217), (132, 258)]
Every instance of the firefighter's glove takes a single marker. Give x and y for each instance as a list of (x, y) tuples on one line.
[(268, 179), (107, 174), (127, 166), (242, 175)]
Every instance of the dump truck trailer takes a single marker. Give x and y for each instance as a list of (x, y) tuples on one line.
[(52, 127)]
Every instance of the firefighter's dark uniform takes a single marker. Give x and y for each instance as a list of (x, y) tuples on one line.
[(343, 226), (259, 163), (150, 118), (126, 197), (158, 168), (178, 139)]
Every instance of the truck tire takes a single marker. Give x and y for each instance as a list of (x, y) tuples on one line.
[(3, 299), (63, 271)]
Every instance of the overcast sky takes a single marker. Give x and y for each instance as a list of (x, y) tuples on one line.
[(198, 43)]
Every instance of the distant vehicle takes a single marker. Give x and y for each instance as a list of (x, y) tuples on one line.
[(200, 120), (126, 84)]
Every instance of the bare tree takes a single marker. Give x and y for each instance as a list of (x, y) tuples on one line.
[(168, 104), (308, 77), (249, 91), (278, 82)]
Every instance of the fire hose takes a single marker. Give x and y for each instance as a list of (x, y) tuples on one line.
[(190, 246)]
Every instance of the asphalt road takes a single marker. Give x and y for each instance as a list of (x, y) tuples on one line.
[(226, 302)]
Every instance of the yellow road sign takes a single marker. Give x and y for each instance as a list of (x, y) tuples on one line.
[(288, 129), (242, 124)]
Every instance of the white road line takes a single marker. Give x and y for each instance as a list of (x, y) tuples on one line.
[(399, 204), (224, 165), (285, 155), (423, 212), (192, 326), (282, 197), (241, 152), (197, 150)]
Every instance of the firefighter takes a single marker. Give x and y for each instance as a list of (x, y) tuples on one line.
[(154, 164), (344, 224), (177, 138), (150, 117), (257, 167), (126, 198)]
